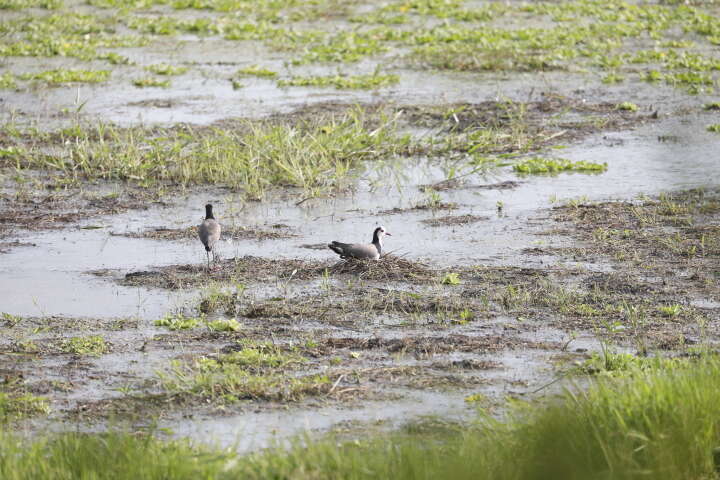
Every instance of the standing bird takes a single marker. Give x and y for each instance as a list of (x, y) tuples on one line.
[(209, 233), (361, 250)]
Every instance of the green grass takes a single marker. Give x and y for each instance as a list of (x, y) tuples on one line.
[(178, 322), (715, 127), (58, 76), (656, 423), (343, 47), (623, 364), (165, 69), (255, 371), (317, 157), (348, 82), (7, 81), (224, 325), (451, 278), (66, 34), (627, 106), (257, 71), (670, 311), (151, 82), (556, 165), (93, 345), (20, 405)]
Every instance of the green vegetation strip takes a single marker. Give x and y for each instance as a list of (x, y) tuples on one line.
[(655, 423), (69, 76), (316, 156), (356, 82), (624, 40), (556, 165)]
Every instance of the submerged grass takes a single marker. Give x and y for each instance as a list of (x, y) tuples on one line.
[(657, 423)]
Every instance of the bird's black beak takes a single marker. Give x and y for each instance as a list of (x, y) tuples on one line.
[(388, 234)]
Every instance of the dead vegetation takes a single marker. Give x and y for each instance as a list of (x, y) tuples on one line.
[(250, 269)]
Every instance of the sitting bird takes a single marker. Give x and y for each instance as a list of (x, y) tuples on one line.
[(209, 233), (361, 250)]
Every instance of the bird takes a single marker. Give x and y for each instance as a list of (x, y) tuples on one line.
[(361, 250), (209, 232)]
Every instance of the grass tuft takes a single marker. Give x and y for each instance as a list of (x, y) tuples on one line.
[(93, 345), (352, 82), (556, 165)]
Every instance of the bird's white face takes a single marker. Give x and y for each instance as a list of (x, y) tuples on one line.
[(382, 232)]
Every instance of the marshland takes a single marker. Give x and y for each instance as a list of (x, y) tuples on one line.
[(547, 305)]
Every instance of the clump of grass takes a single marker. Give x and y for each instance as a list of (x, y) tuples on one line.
[(61, 75), (215, 298), (475, 398), (22, 4), (7, 81), (14, 406), (627, 106), (712, 106), (556, 165), (253, 372), (178, 322), (670, 311), (257, 71), (714, 128), (352, 82), (151, 82), (618, 364), (261, 354), (451, 278), (93, 345), (10, 319), (613, 78), (165, 69), (115, 58), (344, 47), (224, 325)]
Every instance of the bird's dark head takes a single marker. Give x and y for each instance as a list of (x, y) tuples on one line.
[(379, 233), (208, 211)]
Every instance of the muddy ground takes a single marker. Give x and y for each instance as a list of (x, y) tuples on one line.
[(494, 284)]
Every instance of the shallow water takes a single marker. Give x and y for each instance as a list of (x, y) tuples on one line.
[(51, 278)]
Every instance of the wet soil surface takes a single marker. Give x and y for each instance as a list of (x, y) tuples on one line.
[(353, 336), (493, 283)]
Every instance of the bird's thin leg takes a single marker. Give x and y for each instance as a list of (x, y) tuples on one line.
[(208, 258)]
